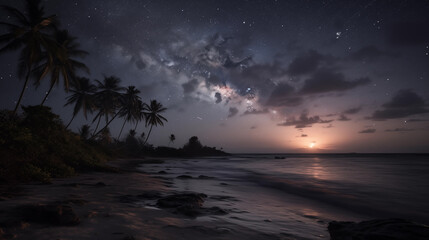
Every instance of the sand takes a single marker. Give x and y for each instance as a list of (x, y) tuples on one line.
[(98, 200)]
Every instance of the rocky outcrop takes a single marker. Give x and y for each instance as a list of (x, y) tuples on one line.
[(383, 229), (189, 204), (188, 200), (62, 215), (184, 177)]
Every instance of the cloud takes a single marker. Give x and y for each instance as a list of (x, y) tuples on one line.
[(403, 104), (400, 130), (408, 33), (368, 53), (256, 82), (327, 80), (229, 63), (307, 63), (369, 130), (303, 121), (284, 95), (253, 127), (417, 120), (304, 135), (343, 118), (190, 86), (352, 110), (218, 97), (232, 112), (255, 112)]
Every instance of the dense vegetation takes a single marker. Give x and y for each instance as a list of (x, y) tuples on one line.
[(36, 146)]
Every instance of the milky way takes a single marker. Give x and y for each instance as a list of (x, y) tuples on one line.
[(259, 76)]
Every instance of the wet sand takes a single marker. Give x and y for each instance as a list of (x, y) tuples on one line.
[(104, 204)]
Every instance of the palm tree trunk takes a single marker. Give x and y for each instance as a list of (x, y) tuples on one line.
[(106, 124), (150, 130), (74, 115), (135, 127), (96, 127), (47, 94), (122, 129), (27, 77)]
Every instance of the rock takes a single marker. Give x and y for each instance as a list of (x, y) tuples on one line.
[(188, 211), (190, 200), (184, 177), (100, 184), (151, 195), (62, 215), (147, 195), (189, 204), (205, 177), (388, 229)]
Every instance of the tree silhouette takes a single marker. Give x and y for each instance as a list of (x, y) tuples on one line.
[(84, 131), (153, 116), (107, 100), (130, 106), (193, 144), (82, 97), (59, 61), (172, 138), (28, 31)]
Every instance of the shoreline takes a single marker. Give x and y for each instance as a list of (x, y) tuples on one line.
[(130, 204), (97, 199)]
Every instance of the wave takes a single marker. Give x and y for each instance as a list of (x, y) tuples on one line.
[(346, 196)]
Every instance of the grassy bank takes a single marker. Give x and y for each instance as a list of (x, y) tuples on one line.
[(35, 146)]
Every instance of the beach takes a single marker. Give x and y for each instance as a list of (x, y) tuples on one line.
[(236, 197), (97, 199)]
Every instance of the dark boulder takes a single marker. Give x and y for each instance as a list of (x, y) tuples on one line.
[(151, 195), (205, 177), (184, 177), (62, 215), (189, 204), (383, 229), (190, 200)]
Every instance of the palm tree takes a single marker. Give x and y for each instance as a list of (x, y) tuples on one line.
[(142, 108), (153, 117), (107, 99), (82, 97), (172, 138), (29, 31), (59, 61), (130, 103)]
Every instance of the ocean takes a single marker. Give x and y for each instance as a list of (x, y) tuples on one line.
[(297, 195)]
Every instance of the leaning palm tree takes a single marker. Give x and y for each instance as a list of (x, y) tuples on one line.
[(82, 97), (130, 102), (153, 116), (59, 61), (142, 108), (107, 100), (28, 31)]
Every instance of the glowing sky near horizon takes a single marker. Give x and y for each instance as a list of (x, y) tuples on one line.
[(258, 76)]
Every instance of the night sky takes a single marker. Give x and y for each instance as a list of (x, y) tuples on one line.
[(257, 76)]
